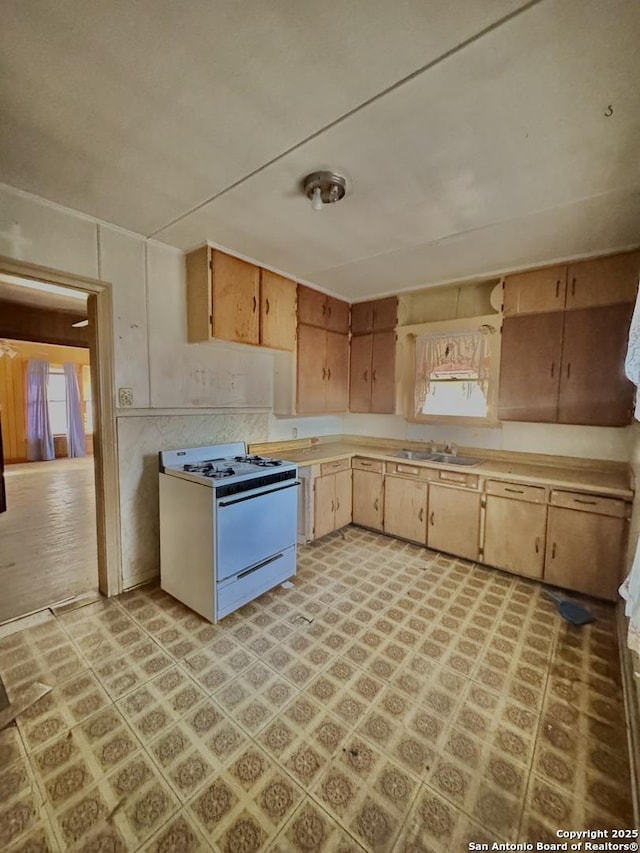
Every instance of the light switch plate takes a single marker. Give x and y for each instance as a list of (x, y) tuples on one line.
[(125, 397)]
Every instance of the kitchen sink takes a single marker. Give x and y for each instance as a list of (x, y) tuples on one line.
[(414, 454), (440, 458), (453, 459)]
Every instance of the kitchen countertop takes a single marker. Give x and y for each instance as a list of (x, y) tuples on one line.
[(603, 478)]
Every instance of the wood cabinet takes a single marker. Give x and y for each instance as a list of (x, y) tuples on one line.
[(233, 300), (373, 351), (593, 385), (323, 370), (405, 508), (535, 291), (530, 355), (454, 521), (278, 303), (332, 499), (377, 316), (585, 548), (586, 284), (603, 281), (515, 527), (368, 493), (319, 309), (566, 367)]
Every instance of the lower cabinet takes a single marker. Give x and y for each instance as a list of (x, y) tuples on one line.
[(454, 521), (368, 498), (332, 502), (515, 528), (585, 548), (405, 508)]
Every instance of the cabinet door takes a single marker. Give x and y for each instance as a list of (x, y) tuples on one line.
[(343, 499), (405, 509), (362, 318), (360, 378), (584, 551), (514, 535), (312, 370), (383, 372), (385, 314), (594, 389), (454, 521), (603, 281), (324, 505), (236, 293), (312, 306), (278, 299), (337, 383), (535, 292), (367, 499), (530, 368), (337, 315)]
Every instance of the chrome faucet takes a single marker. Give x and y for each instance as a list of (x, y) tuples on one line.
[(450, 449)]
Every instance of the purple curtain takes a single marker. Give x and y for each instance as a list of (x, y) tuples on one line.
[(75, 425), (39, 437)]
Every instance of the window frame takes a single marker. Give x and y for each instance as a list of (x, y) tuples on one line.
[(407, 338)]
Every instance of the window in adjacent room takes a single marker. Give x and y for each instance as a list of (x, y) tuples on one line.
[(57, 398)]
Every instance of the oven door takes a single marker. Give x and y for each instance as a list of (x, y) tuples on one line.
[(252, 528)]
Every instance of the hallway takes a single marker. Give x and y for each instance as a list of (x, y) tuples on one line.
[(48, 535)]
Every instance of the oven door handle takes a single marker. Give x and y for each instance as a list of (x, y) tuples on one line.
[(259, 494)]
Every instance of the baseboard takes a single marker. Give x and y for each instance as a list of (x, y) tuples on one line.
[(631, 693)]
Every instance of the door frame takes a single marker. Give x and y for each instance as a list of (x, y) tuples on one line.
[(105, 455)]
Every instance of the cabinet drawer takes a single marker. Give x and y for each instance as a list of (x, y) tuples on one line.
[(334, 467), (517, 491), (407, 470), (460, 479), (590, 503), (367, 465)]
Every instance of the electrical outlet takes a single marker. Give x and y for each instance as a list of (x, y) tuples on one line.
[(294, 432), (125, 397)]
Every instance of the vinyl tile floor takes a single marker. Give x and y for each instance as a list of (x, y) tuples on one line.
[(394, 699)]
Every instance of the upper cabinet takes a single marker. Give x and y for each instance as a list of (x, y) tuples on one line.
[(373, 348), (278, 299), (603, 281), (323, 353), (325, 312), (587, 284), (233, 300), (535, 292)]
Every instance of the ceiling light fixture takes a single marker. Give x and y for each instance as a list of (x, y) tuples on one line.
[(324, 188)]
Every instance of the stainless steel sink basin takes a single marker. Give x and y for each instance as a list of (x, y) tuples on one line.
[(414, 454), (440, 458), (451, 459)]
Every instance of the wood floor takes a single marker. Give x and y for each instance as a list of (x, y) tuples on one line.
[(48, 535)]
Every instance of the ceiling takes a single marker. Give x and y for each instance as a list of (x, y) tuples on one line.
[(476, 137)]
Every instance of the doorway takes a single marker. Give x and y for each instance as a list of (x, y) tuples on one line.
[(64, 534)]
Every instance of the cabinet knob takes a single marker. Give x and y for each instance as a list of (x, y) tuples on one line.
[(553, 551), (329, 373), (537, 544), (569, 370), (266, 306), (573, 287), (557, 289), (337, 504), (324, 373), (373, 375), (255, 304), (421, 514), (365, 376), (376, 505), (432, 519), (553, 369), (333, 506)]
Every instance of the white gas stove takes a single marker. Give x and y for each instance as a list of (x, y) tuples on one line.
[(227, 526)]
